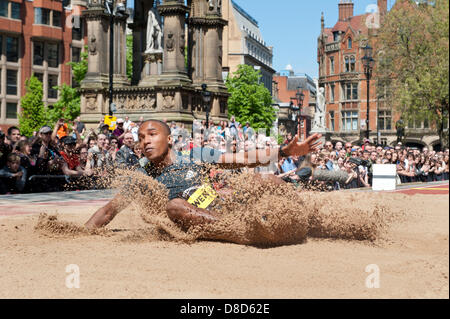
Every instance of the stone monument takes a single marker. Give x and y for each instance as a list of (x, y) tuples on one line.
[(170, 63), (319, 114)]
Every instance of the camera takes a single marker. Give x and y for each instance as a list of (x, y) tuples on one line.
[(359, 162)]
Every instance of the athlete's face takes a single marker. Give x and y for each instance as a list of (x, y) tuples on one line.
[(154, 141)]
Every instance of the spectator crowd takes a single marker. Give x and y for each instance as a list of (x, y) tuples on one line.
[(70, 156)]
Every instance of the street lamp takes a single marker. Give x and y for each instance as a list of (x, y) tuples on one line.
[(299, 97), (118, 10), (206, 95), (368, 63)]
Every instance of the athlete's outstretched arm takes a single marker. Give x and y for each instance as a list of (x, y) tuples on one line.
[(104, 215), (269, 155)]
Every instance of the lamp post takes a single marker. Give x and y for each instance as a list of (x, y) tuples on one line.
[(206, 95), (299, 97), (368, 63), (118, 10)]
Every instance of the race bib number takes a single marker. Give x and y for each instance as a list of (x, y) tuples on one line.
[(203, 196)]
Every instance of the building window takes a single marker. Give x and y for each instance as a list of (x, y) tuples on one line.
[(332, 65), (38, 53), (347, 64), (11, 110), (41, 16), (335, 36), (3, 8), (349, 43), (76, 54), (15, 10), (352, 64), (332, 93), (349, 120), (351, 91), (77, 29), (332, 120), (56, 19), (12, 49), (385, 120), (52, 57), (11, 82), (39, 76), (52, 83)]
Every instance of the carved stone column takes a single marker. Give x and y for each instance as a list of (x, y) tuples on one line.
[(174, 66), (206, 28)]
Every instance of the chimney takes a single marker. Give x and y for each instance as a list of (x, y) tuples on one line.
[(345, 10), (382, 8)]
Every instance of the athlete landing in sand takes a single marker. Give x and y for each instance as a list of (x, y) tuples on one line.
[(180, 176)]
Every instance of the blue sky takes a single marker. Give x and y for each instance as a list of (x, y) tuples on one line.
[(292, 28)]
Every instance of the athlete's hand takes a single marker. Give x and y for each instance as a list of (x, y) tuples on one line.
[(299, 149)]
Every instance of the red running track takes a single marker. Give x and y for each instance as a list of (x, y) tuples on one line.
[(441, 189)]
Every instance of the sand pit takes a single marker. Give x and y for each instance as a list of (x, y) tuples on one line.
[(133, 258)]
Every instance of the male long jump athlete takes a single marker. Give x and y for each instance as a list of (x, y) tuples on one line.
[(180, 176)]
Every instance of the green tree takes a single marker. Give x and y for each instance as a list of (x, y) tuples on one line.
[(32, 114), (249, 100), (413, 62), (129, 57), (79, 69), (68, 104), (67, 107)]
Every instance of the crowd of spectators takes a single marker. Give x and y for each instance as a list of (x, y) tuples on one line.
[(70, 156)]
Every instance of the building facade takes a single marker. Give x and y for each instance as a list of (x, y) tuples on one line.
[(287, 86), (244, 44), (37, 37), (341, 74)]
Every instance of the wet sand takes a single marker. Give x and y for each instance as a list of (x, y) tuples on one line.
[(133, 261)]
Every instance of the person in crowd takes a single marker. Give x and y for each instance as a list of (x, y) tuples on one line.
[(126, 123), (80, 127), (13, 136), (100, 158), (119, 131), (12, 176), (126, 158), (5, 149)]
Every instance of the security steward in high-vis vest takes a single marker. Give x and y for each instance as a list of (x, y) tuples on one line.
[(189, 194)]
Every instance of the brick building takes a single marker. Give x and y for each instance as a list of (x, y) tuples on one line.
[(341, 74), (287, 85), (37, 37)]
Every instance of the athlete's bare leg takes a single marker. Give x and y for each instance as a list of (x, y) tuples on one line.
[(186, 215)]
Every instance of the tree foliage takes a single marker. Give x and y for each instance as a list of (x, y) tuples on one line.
[(68, 104), (67, 107), (129, 57), (249, 100), (413, 62), (32, 115), (79, 69)]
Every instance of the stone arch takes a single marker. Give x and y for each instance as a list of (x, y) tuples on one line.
[(436, 145)]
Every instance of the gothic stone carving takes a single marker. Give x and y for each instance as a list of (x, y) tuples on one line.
[(168, 100), (92, 46), (91, 102), (170, 42)]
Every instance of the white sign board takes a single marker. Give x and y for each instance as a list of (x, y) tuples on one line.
[(384, 177)]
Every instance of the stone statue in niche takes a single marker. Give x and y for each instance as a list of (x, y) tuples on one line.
[(319, 114), (92, 45), (154, 32), (215, 5), (182, 43), (170, 42), (168, 101)]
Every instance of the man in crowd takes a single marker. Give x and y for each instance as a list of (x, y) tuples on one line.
[(13, 136), (126, 157), (178, 177), (12, 176)]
